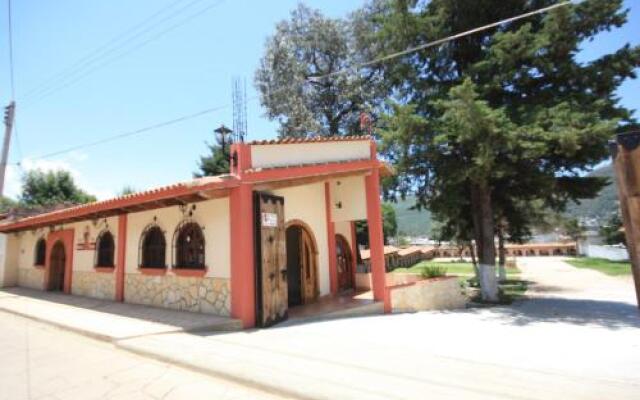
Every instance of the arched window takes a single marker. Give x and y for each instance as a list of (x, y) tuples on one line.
[(40, 252), (153, 248), (105, 248), (189, 246)]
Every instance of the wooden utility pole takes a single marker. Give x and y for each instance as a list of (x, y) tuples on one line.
[(9, 112), (626, 161)]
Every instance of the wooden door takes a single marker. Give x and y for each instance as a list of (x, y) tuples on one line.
[(271, 260), (308, 267), (344, 263), (57, 268)]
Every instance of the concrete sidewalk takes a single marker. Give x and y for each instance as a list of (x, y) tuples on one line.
[(106, 320)]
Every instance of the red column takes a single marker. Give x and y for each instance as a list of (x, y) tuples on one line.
[(331, 240), (242, 258), (121, 256), (376, 239)]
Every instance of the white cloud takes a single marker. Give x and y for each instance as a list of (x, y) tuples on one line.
[(13, 181)]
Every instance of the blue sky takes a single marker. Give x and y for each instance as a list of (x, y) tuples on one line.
[(187, 69)]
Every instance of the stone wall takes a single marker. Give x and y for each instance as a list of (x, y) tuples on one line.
[(31, 278), (429, 294), (94, 284), (205, 295)]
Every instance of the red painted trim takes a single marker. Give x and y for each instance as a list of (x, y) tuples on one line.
[(243, 285), (152, 271), (243, 153), (286, 173), (376, 240), (164, 193), (121, 256), (354, 250), (66, 237), (331, 240), (190, 272), (106, 270)]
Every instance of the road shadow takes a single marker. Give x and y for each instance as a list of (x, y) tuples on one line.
[(601, 313)]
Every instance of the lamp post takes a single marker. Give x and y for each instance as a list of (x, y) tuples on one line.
[(221, 136)]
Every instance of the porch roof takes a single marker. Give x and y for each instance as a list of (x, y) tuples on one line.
[(196, 190)]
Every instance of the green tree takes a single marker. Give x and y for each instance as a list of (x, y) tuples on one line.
[(309, 45), (216, 163), (127, 190), (612, 231), (510, 115), (40, 188), (7, 203), (389, 226)]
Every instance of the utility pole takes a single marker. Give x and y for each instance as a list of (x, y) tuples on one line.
[(9, 112)]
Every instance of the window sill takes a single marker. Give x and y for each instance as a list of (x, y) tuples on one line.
[(152, 271), (104, 269), (193, 272)]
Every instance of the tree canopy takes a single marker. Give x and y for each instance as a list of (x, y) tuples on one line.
[(44, 188), (310, 45)]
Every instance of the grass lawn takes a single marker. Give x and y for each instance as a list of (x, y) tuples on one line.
[(511, 289), (613, 268), (461, 268)]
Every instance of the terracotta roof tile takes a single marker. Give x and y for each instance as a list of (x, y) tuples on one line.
[(315, 139)]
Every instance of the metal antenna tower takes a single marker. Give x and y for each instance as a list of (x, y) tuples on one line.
[(239, 109)]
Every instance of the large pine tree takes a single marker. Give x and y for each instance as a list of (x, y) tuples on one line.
[(509, 117)]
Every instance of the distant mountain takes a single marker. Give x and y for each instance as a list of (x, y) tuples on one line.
[(412, 222), (419, 223), (602, 206)]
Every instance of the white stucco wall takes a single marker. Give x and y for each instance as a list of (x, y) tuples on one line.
[(307, 203), (9, 250), (85, 260), (280, 155), (348, 199), (212, 215)]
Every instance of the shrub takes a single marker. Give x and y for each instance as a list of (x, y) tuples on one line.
[(433, 271)]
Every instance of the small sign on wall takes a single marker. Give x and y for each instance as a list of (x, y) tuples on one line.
[(269, 220)]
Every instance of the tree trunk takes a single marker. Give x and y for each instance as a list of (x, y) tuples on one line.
[(474, 262), (484, 229), (502, 272)]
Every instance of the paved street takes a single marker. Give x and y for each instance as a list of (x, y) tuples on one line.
[(578, 337), (41, 362)]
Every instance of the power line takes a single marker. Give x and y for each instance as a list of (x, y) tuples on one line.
[(98, 51), (375, 61), (110, 61), (441, 41), (130, 133)]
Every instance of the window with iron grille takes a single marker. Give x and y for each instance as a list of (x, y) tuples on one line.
[(189, 247), (153, 248), (105, 247), (40, 252)]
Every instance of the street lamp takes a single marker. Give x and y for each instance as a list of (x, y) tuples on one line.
[(221, 135)]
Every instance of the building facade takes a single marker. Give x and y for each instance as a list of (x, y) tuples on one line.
[(276, 232)]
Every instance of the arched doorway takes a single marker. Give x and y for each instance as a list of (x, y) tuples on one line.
[(302, 266), (344, 263), (57, 261)]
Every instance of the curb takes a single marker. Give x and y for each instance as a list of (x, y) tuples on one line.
[(64, 327)]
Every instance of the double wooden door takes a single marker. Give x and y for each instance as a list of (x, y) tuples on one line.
[(57, 263), (344, 264), (271, 260)]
